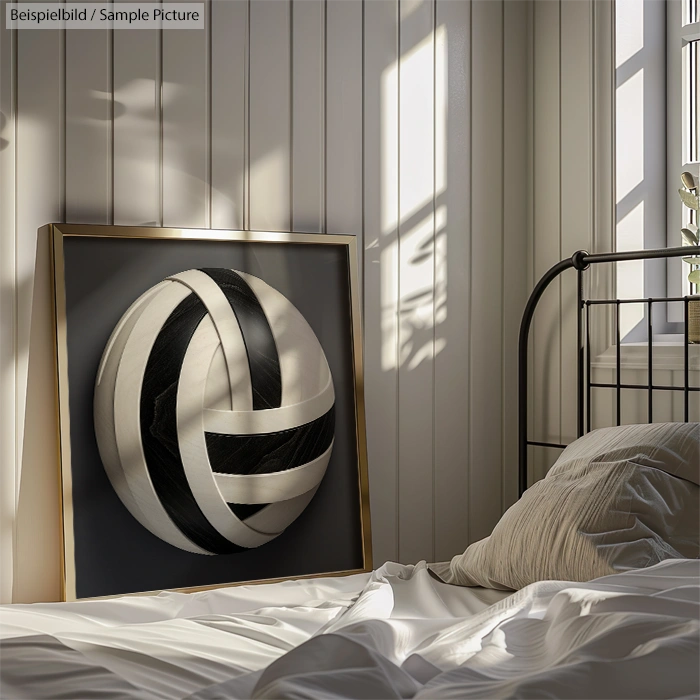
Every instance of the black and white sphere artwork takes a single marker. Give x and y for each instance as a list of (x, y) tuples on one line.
[(214, 411)]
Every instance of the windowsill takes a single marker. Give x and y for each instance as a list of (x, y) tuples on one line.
[(668, 354)]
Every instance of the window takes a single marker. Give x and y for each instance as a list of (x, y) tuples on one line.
[(689, 37), (640, 154), (683, 130)]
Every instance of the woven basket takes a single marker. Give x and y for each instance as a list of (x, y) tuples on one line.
[(694, 321)]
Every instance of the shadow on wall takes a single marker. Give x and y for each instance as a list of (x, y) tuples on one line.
[(37, 557), (160, 173), (4, 143)]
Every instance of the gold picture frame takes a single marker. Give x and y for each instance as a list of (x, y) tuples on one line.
[(112, 267)]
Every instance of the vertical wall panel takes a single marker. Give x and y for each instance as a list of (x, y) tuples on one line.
[(530, 261), (185, 127), (576, 183), (270, 112), (389, 119), (573, 148), (487, 268), (40, 148), (603, 235), (416, 280), (452, 265), (40, 133), (308, 115), (381, 271), (136, 126), (515, 215), (229, 53), (546, 330), (8, 368), (344, 118), (88, 172)]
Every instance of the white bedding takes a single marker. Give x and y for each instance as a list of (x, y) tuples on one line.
[(394, 633)]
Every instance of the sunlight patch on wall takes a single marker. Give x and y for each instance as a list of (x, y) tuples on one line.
[(630, 275), (414, 175), (270, 174), (416, 184), (629, 135), (629, 30)]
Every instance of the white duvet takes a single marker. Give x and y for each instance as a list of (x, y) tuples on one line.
[(397, 633)]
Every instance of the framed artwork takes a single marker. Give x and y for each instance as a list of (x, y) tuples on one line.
[(210, 408)]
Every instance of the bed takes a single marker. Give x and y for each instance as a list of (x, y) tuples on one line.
[(397, 632), (552, 604)]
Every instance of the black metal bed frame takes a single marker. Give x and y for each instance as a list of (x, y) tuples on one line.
[(581, 261)]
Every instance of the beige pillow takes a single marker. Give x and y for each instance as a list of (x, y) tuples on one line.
[(616, 499)]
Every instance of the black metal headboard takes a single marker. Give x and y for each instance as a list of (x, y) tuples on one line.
[(581, 261)]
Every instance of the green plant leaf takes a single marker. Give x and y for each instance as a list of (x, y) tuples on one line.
[(692, 261), (688, 180), (690, 200), (689, 236), (694, 277)]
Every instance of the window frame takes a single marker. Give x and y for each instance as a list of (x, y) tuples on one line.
[(678, 35), (649, 54)]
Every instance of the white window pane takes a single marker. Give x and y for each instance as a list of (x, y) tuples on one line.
[(691, 103)]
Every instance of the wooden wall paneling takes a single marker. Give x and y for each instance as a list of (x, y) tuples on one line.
[(601, 278), (487, 230), (381, 113), (39, 185), (576, 189), (416, 278), (270, 115), (634, 402), (677, 398), (678, 379), (308, 115), (88, 154), (693, 406), (603, 400), (8, 379), (40, 131), (344, 107), (663, 400), (531, 230), (546, 328), (186, 146), (136, 129), (516, 68), (266, 123), (229, 103), (452, 291)]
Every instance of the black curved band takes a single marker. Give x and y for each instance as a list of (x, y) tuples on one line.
[(263, 359)]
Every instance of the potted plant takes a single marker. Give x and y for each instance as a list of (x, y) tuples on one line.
[(689, 197)]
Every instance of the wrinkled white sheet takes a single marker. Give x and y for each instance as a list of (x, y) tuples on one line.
[(173, 644), (395, 633)]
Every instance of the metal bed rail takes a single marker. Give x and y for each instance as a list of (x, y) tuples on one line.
[(581, 261)]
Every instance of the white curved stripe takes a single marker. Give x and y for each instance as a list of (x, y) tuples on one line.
[(218, 393), (303, 365), (111, 349), (270, 420), (272, 488), (277, 517), (127, 413), (228, 330), (192, 440), (103, 403)]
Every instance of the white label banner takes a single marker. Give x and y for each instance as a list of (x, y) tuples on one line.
[(81, 15)]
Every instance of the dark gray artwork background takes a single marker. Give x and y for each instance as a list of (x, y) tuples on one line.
[(114, 553)]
